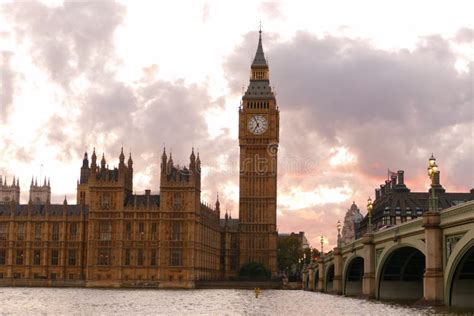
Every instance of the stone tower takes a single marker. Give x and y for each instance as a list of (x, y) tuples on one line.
[(40, 194), (9, 193), (258, 141), (99, 185), (180, 204)]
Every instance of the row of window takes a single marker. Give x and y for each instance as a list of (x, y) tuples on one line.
[(105, 231), (20, 231), (258, 105), (52, 276), (38, 258), (259, 75), (104, 257)]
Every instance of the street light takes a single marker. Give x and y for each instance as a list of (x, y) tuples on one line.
[(432, 173), (370, 207), (338, 226)]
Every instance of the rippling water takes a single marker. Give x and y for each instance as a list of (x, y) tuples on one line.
[(57, 301)]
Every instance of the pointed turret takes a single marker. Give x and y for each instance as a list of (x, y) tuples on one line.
[(259, 59), (102, 162), (198, 162), (85, 171), (192, 160), (130, 161), (164, 159), (44, 183), (31, 181), (170, 160), (65, 200), (18, 182), (93, 160), (85, 161), (121, 158), (218, 204)]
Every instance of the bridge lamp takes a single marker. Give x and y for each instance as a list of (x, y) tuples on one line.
[(322, 245), (338, 233), (432, 168), (370, 207), (432, 171)]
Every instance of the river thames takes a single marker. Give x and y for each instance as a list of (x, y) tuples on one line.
[(60, 301)]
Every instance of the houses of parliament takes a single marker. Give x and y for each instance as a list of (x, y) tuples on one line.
[(114, 238)]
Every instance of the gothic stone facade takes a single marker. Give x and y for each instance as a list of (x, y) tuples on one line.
[(113, 237)]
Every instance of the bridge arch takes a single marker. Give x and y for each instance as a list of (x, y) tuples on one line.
[(315, 279), (459, 273), (352, 276), (400, 273), (329, 278)]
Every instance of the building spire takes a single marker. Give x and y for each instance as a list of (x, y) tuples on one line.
[(218, 204), (102, 162), (121, 157), (259, 59)]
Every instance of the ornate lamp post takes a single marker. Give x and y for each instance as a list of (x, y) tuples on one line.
[(369, 212), (432, 173), (322, 245), (338, 226)]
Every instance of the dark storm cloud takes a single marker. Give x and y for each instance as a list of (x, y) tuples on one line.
[(391, 108)]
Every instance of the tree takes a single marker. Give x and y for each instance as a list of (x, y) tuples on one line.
[(254, 270), (289, 252), (310, 254)]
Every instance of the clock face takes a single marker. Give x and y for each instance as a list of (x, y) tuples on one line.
[(257, 124)]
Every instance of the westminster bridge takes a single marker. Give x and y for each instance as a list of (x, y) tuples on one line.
[(429, 259)]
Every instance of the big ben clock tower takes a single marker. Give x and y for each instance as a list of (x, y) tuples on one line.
[(258, 141)]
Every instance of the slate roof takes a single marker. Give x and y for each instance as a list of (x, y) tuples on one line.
[(259, 59), (259, 89), (409, 204)]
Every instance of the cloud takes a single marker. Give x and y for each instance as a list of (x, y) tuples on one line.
[(70, 39), (206, 8), (7, 85), (465, 35), (387, 109), (73, 43), (271, 9)]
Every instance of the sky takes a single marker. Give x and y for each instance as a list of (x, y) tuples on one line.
[(362, 86)]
